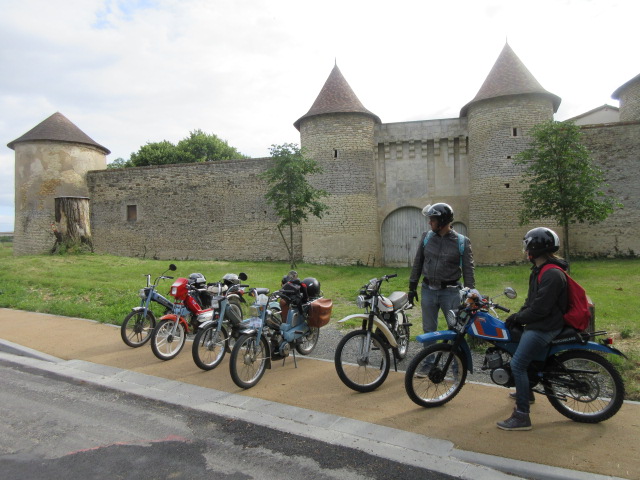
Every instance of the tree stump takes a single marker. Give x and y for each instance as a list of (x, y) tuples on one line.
[(73, 223)]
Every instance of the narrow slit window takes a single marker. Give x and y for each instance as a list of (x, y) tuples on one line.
[(515, 131), (335, 153), (132, 213)]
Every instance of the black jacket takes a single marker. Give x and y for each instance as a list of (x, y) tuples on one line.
[(547, 300)]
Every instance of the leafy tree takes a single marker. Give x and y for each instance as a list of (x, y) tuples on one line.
[(156, 153), (290, 194), (197, 147), (119, 163), (562, 182), (203, 147)]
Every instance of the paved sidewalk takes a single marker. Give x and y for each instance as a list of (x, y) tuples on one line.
[(459, 438)]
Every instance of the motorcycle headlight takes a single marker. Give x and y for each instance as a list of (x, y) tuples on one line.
[(255, 310), (142, 293), (361, 301)]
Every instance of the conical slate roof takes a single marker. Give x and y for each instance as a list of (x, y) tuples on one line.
[(508, 77), (57, 128), (336, 97)]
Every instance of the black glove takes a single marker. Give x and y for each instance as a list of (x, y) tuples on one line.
[(512, 321), (413, 297)]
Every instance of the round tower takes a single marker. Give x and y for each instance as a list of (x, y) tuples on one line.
[(500, 117), (51, 161), (629, 96), (338, 132)]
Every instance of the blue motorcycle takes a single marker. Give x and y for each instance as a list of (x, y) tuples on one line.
[(139, 323), (572, 373)]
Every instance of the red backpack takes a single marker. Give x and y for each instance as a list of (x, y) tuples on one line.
[(578, 311)]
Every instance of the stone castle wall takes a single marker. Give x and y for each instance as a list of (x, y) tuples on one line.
[(630, 103), (46, 170), (614, 147), (498, 131), (342, 144), (212, 210)]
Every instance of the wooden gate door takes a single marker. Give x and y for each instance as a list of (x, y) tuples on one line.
[(401, 232)]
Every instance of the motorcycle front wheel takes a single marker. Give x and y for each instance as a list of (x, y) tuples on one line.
[(165, 344), (584, 386), (362, 361), (426, 381), (309, 341), (137, 327), (248, 360), (209, 346)]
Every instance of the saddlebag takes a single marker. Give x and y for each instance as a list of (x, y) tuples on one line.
[(320, 312)]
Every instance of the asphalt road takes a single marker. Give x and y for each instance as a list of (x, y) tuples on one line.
[(57, 428)]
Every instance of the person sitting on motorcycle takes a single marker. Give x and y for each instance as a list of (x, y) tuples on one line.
[(541, 315)]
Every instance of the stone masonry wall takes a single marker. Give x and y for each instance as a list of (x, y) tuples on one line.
[(349, 232), (46, 170), (494, 186), (208, 211), (630, 103), (422, 162), (615, 148)]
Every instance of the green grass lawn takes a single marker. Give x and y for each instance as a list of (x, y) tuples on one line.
[(104, 288)]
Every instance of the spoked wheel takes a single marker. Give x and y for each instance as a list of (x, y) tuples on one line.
[(137, 327), (248, 360), (426, 381), (584, 386), (165, 344), (362, 361), (209, 346), (309, 341), (402, 335)]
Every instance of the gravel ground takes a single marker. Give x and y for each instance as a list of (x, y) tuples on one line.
[(330, 335)]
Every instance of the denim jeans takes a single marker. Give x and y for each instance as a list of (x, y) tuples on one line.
[(532, 343), (433, 301)]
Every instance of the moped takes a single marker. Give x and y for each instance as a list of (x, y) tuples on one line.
[(217, 335), (362, 357), (139, 323), (572, 372), (170, 334), (268, 336)]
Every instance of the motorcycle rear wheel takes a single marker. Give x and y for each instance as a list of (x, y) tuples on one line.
[(166, 345), (432, 386), (362, 372), (591, 386), (248, 360), (209, 346), (309, 341), (136, 328)]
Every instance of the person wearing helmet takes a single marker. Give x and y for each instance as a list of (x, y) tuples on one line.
[(541, 316), (442, 258)]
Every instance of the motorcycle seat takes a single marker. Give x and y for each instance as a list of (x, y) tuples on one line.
[(399, 299), (568, 335)]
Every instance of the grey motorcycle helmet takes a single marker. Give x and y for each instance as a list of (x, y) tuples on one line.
[(197, 280)]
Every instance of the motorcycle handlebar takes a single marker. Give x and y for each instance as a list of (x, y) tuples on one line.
[(393, 275), (500, 307)]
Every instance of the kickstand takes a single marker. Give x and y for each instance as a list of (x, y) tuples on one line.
[(295, 362), (395, 361)]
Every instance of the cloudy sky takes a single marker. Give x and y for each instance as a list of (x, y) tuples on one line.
[(128, 72)]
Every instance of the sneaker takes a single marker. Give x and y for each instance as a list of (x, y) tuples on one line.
[(516, 422), (532, 398)]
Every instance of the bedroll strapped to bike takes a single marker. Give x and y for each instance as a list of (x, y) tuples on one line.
[(579, 306)]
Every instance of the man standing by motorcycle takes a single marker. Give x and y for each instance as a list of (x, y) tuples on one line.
[(443, 256), (541, 315)]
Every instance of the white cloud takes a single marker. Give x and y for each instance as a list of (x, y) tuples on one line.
[(131, 72)]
